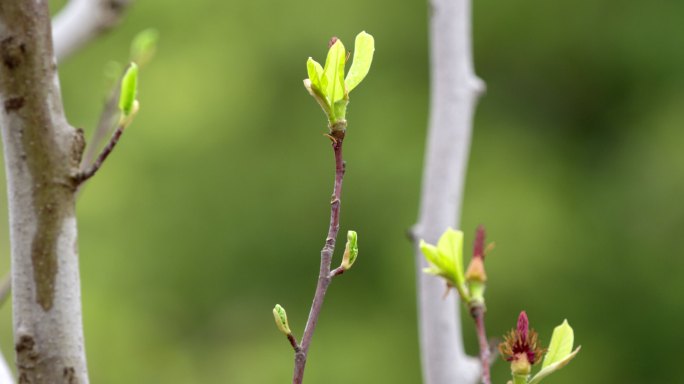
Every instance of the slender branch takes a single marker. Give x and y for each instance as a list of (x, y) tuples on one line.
[(82, 20), (478, 314), (337, 271), (454, 92), (88, 173), (325, 276), (293, 342), (107, 120)]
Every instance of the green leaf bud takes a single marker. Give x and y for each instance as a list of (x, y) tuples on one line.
[(129, 90), (351, 250), (280, 317)]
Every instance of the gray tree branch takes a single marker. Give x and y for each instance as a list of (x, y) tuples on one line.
[(454, 93), (42, 156), (82, 20)]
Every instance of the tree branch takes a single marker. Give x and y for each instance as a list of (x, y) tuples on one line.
[(82, 20), (89, 172), (454, 91), (478, 314), (325, 275), (42, 155), (110, 113)]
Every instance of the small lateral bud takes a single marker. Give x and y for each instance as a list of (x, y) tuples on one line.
[(351, 250), (280, 317), (476, 270)]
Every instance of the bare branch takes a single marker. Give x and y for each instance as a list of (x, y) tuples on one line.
[(325, 275), (478, 315), (93, 168), (105, 124), (454, 92), (82, 20)]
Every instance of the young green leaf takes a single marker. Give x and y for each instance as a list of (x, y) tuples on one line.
[(351, 250), (129, 90), (561, 344), (438, 264), (280, 317), (553, 367), (451, 245), (315, 73), (334, 72), (364, 46)]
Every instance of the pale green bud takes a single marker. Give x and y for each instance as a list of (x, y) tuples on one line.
[(129, 90), (280, 317), (351, 250)]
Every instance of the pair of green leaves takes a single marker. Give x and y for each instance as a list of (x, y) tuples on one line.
[(328, 85), (446, 260), (560, 352)]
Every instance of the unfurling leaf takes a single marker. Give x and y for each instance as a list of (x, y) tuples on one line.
[(280, 317), (559, 353), (334, 72), (364, 46), (351, 250), (560, 345)]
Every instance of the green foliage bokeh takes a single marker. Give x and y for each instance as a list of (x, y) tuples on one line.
[(215, 204)]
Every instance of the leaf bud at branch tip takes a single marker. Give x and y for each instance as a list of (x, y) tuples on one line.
[(129, 90), (476, 270), (478, 248), (280, 317)]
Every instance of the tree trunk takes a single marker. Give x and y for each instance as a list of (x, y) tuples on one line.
[(454, 93), (42, 155)]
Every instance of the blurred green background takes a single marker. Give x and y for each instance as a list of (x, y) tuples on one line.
[(214, 206)]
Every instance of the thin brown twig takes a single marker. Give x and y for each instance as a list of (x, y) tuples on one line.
[(106, 151), (325, 276), (107, 120), (293, 342)]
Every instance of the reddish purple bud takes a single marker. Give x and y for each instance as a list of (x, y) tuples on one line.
[(332, 41), (521, 345), (523, 325), (479, 247)]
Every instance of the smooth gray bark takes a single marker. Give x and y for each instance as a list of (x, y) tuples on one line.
[(42, 154), (454, 93), (82, 20)]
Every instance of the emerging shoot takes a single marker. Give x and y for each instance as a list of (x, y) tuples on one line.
[(128, 103), (328, 85)]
